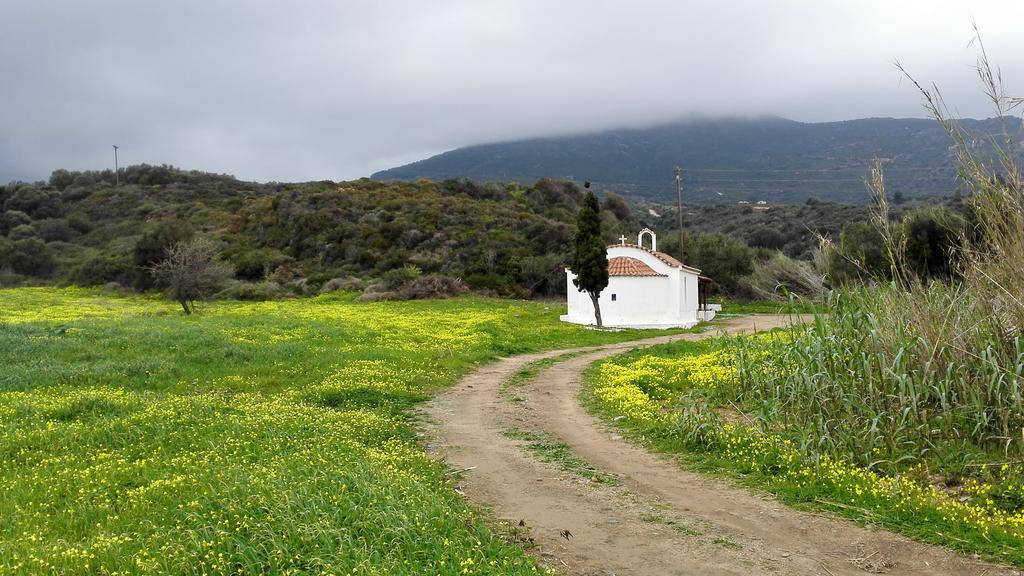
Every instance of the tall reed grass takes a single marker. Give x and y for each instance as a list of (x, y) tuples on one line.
[(875, 385), (911, 370)]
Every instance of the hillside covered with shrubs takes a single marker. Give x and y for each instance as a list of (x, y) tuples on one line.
[(79, 228), (389, 239)]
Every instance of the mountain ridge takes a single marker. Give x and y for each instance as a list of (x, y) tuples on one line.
[(729, 159)]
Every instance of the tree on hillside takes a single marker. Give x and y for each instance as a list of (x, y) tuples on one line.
[(191, 271), (724, 259), (11, 219), (37, 202), (617, 205), (931, 237), (28, 256), (859, 254), (154, 245), (589, 255)]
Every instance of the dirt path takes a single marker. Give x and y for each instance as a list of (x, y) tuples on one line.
[(657, 519)]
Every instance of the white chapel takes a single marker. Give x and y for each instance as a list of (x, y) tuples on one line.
[(646, 289)]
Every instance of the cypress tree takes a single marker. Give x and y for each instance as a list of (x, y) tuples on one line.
[(589, 255)]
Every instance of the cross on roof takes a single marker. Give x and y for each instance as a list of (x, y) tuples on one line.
[(622, 239)]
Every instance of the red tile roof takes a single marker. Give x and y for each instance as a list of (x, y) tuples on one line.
[(625, 266), (667, 259)]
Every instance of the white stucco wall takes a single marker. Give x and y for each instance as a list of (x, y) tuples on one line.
[(640, 301)]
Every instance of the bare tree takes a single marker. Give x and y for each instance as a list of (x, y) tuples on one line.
[(191, 271)]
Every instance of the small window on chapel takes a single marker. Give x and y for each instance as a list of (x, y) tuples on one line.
[(614, 297)]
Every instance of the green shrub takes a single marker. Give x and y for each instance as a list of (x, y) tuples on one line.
[(54, 230), (23, 231), (11, 219), (153, 246), (253, 291), (349, 284), (285, 274), (398, 277), (6, 246), (251, 265), (490, 282), (103, 269), (724, 259), (36, 202), (79, 223), (432, 286), (61, 179), (617, 205), (30, 257), (931, 238), (780, 276)]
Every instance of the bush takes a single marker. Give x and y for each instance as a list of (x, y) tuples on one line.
[(9, 279), (251, 265), (398, 277), (543, 275), (722, 258), (860, 254), (35, 202), (30, 257), (491, 283), (349, 284), (23, 231), (549, 194), (377, 296), (153, 246), (54, 230), (432, 286), (79, 223), (925, 243), (765, 237), (83, 180), (476, 190), (780, 275), (285, 274), (12, 219), (6, 246), (616, 205), (930, 238), (255, 291), (191, 271), (61, 179), (102, 270)]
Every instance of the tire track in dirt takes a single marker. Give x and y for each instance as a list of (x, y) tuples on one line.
[(659, 519)]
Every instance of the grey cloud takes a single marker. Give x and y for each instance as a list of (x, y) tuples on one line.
[(335, 89)]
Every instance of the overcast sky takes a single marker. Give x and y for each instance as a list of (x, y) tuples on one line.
[(299, 90)]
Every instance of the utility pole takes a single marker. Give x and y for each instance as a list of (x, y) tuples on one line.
[(117, 176), (679, 209)]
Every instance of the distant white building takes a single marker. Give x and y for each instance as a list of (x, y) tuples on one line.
[(646, 289)]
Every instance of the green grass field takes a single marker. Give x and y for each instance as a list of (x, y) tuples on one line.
[(271, 438)]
